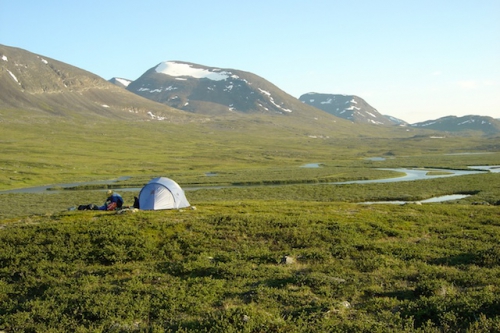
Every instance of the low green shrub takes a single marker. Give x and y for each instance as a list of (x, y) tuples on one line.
[(221, 268)]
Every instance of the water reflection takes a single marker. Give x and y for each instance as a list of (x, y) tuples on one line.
[(415, 174), (442, 198)]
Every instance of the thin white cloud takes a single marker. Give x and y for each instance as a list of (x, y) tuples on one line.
[(468, 84), (474, 84)]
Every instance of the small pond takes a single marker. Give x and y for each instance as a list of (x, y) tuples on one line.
[(375, 158), (311, 165), (490, 168)]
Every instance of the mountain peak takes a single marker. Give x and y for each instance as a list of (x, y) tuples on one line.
[(485, 124), (121, 82), (182, 69), (211, 90)]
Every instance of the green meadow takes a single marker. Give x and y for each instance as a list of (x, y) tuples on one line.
[(268, 246)]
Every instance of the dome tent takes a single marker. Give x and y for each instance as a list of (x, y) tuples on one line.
[(162, 193)]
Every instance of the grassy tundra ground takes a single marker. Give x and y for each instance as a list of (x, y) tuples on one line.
[(297, 257), (222, 268)]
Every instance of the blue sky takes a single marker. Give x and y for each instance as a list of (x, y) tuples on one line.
[(415, 60)]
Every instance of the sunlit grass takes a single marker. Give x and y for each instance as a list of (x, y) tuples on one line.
[(221, 267), (58, 152)]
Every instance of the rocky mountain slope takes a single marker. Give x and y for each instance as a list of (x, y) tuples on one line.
[(349, 107), (36, 88), (487, 125), (45, 86)]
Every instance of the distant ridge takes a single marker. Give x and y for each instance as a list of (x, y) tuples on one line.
[(120, 82), (349, 107), (487, 125), (396, 121)]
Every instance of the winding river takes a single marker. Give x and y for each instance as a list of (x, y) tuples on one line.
[(416, 174), (410, 175)]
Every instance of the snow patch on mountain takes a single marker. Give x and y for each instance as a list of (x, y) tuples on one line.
[(43, 60), (123, 81), (352, 107), (424, 124), (157, 90), (155, 117), (271, 99), (265, 92), (4, 58), (13, 76), (180, 69)]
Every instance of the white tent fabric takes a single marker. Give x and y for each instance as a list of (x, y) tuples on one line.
[(162, 193)]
